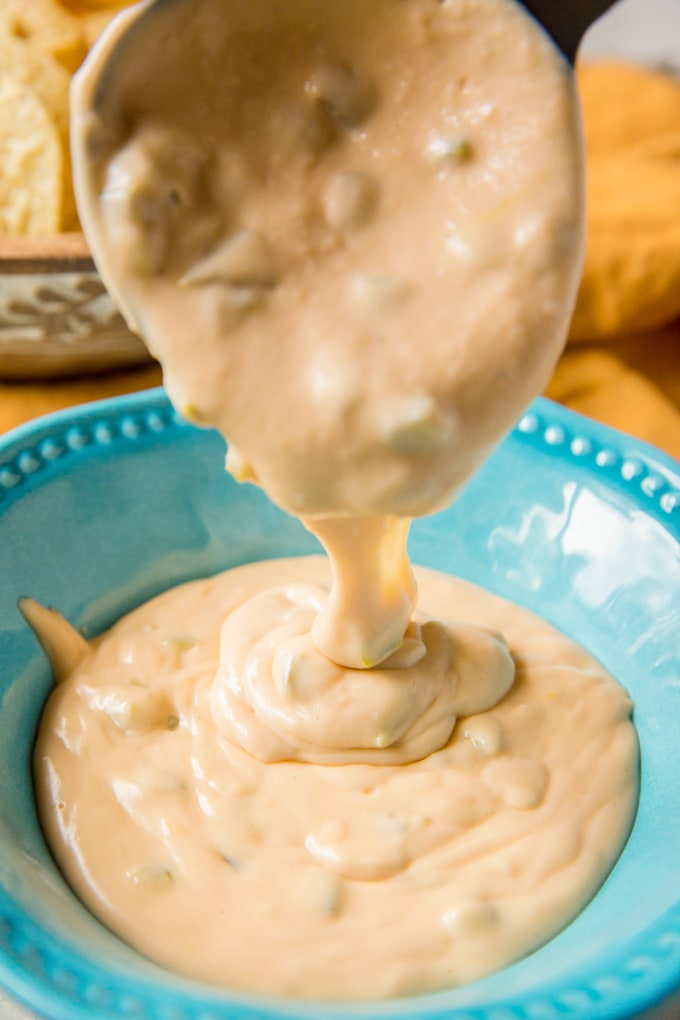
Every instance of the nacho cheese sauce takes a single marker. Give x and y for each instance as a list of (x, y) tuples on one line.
[(352, 234), (349, 881)]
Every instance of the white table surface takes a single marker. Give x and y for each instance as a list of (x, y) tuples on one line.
[(644, 30)]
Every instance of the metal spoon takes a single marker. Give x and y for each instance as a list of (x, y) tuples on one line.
[(566, 21)]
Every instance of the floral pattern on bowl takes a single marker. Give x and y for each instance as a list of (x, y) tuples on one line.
[(56, 318)]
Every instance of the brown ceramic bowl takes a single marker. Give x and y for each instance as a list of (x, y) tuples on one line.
[(56, 318)]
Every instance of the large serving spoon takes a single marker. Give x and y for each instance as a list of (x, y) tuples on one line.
[(567, 21), (208, 140)]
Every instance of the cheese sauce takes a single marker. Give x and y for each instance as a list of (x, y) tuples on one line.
[(352, 234), (261, 871)]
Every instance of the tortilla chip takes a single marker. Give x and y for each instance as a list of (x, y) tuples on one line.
[(32, 168), (46, 25)]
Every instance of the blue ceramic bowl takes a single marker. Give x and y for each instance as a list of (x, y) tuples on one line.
[(102, 507)]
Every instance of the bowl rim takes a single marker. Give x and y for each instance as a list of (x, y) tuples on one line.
[(28, 960), (45, 254)]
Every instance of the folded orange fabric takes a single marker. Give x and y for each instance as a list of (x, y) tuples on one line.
[(622, 364), (631, 279), (633, 385)]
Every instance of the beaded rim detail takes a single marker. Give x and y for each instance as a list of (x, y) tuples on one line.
[(38, 446), (38, 970), (644, 471)]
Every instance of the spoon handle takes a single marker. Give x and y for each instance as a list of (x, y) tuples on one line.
[(567, 20)]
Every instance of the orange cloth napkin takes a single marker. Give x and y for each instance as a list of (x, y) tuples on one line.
[(622, 363)]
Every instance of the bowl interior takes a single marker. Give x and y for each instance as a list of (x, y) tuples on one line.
[(101, 508)]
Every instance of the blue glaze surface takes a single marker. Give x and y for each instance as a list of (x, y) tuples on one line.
[(106, 505)]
